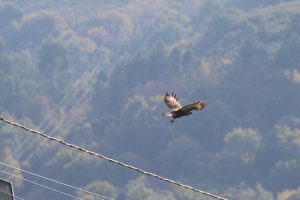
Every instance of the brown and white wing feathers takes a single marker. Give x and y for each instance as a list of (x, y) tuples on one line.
[(171, 101)]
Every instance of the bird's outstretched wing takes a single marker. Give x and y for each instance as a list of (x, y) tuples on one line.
[(171, 101), (195, 106)]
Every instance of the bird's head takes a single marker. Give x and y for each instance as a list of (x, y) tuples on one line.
[(200, 105)]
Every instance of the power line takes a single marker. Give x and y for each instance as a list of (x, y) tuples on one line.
[(64, 184), (67, 101), (80, 85), (44, 186), (2, 191), (113, 160)]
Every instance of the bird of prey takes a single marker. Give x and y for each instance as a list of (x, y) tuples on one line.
[(177, 110)]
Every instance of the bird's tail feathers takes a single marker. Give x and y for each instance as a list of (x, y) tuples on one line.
[(169, 114)]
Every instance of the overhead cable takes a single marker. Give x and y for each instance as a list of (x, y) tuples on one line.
[(38, 184), (113, 160), (16, 197), (67, 102), (58, 182)]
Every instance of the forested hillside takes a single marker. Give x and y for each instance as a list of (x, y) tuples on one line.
[(94, 73)]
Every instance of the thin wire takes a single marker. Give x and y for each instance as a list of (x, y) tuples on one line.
[(65, 121), (4, 192), (90, 75), (67, 101), (113, 161), (44, 186), (64, 184), (64, 102)]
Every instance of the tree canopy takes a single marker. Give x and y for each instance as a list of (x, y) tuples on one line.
[(94, 73)]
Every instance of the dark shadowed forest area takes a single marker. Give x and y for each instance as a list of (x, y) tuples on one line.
[(94, 73)]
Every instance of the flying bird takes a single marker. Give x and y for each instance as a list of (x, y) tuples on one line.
[(177, 110)]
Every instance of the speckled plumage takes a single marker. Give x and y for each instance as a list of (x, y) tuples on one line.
[(179, 111)]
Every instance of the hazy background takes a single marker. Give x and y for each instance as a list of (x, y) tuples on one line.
[(94, 73)]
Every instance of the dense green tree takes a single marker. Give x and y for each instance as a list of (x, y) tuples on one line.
[(2, 46), (139, 189), (8, 13), (100, 187), (94, 74), (52, 56), (245, 192)]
